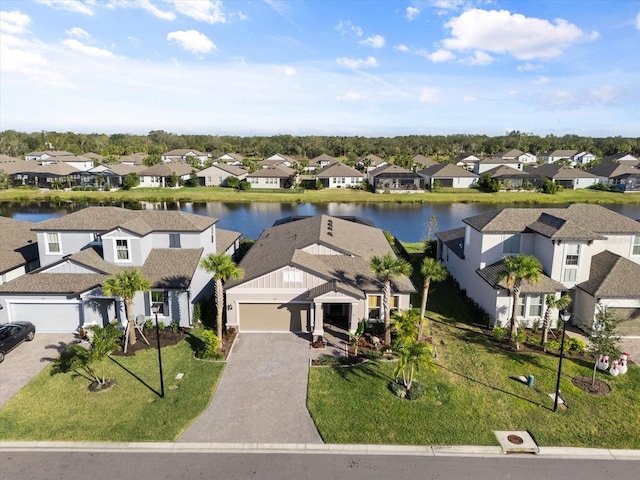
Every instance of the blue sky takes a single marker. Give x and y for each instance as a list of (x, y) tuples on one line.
[(321, 67)]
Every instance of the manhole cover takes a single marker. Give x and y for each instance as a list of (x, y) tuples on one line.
[(515, 439)]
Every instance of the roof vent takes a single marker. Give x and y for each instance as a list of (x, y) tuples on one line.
[(330, 234)]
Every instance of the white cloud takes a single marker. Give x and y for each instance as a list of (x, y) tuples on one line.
[(155, 11), (480, 58), (429, 95), (503, 32), (439, 56), (528, 67), (401, 48), (447, 4), (87, 49), (357, 63), (346, 27), (75, 6), (14, 22), (286, 70), (203, 10), (541, 80), (608, 94), (412, 13), (20, 55), (77, 32), (192, 41), (377, 41), (350, 97), (469, 98)]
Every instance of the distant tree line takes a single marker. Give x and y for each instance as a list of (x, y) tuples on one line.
[(438, 147)]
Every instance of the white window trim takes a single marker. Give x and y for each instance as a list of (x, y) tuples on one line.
[(165, 302), (46, 243), (115, 251), (635, 242), (291, 276)]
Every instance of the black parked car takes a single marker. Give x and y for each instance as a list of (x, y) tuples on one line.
[(12, 334)]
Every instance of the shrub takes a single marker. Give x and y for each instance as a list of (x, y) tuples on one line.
[(550, 187), (521, 335), (211, 344), (232, 182), (130, 181), (148, 324), (244, 185), (197, 312), (536, 325), (161, 326), (500, 333), (417, 391), (553, 345), (575, 345)]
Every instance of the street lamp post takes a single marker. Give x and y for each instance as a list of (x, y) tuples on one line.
[(564, 315), (155, 308)]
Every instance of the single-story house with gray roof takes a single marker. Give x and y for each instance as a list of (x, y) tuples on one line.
[(217, 175), (447, 175), (339, 175), (302, 275)]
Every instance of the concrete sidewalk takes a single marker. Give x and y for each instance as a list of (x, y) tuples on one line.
[(262, 394)]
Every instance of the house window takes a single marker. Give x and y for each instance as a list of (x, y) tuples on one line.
[(174, 240), (511, 245), (535, 306), (572, 254), (160, 298), (374, 306), (53, 243), (570, 275), (213, 234), (636, 245), (122, 250), (292, 277), (520, 308)]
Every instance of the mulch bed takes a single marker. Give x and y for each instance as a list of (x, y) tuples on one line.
[(584, 384)]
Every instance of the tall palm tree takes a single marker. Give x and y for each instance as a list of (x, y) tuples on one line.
[(223, 268), (126, 284), (386, 268), (515, 271), (432, 270), (552, 302)]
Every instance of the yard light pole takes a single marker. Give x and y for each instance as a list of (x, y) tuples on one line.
[(155, 308), (564, 315)]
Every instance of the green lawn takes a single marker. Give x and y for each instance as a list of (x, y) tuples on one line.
[(60, 407), (219, 194), (473, 393)]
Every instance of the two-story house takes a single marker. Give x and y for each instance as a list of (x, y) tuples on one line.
[(587, 250), (18, 249), (307, 273), (79, 251)]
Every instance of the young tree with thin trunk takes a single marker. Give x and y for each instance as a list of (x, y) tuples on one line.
[(126, 284), (552, 303), (515, 271), (432, 270), (387, 268), (602, 337), (223, 268)]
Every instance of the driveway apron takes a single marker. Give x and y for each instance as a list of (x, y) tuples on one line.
[(262, 394)]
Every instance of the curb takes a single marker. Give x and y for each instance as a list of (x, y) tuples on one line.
[(318, 449)]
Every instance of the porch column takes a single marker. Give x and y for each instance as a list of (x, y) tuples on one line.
[(353, 317), (318, 324)]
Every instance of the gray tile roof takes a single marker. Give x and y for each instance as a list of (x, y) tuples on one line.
[(454, 240), (54, 283), (171, 267), (339, 170), (593, 218), (18, 244), (545, 285), (105, 219), (612, 276), (446, 170), (283, 245)]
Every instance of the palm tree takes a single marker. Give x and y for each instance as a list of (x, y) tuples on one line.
[(412, 356), (386, 268), (223, 268), (126, 284), (552, 302), (431, 270), (515, 271)]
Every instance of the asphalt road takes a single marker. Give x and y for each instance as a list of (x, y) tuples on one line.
[(36, 465)]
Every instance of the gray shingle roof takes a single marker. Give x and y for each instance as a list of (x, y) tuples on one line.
[(420, 159), (54, 283), (612, 276), (276, 171), (104, 219), (283, 245), (168, 169), (171, 267), (559, 172), (545, 285), (339, 170), (592, 218), (92, 259), (454, 239), (446, 170), (18, 243), (225, 238), (506, 172)]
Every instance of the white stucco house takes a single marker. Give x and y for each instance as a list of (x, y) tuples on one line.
[(339, 175), (79, 251), (588, 251)]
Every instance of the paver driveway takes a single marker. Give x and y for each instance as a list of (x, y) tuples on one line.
[(27, 360), (262, 394)]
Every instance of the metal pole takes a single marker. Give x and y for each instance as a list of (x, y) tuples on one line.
[(555, 403), (160, 357)]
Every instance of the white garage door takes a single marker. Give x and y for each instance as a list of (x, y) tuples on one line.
[(270, 317), (47, 317)]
